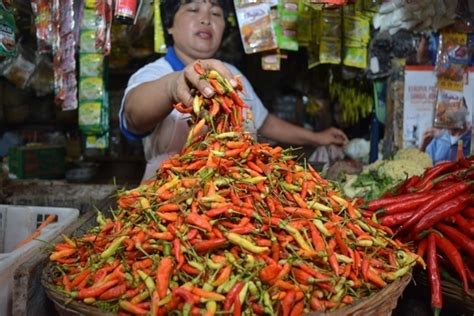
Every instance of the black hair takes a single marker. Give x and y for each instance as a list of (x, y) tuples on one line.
[(168, 9)]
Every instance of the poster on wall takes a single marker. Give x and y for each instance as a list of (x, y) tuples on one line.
[(420, 97)]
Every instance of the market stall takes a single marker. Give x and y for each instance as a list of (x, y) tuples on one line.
[(324, 168)]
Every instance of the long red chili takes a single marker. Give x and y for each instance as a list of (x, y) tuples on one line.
[(434, 275), (458, 238), (405, 205), (442, 211), (396, 219), (375, 205), (453, 255), (463, 224), (432, 173), (468, 212), (444, 195)]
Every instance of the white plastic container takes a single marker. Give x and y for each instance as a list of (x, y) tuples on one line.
[(16, 223)]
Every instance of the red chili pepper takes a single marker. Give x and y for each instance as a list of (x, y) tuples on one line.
[(468, 212), (405, 205), (301, 276), (396, 219), (269, 273), (114, 292), (298, 309), (207, 245), (198, 220), (421, 249), (439, 213), (443, 196), (407, 184), (432, 173), (288, 302), (96, 291), (198, 68), (232, 295), (458, 238), (464, 226), (434, 275), (375, 205), (185, 295), (177, 253), (333, 259), (453, 255)]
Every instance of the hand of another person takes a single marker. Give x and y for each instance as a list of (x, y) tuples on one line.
[(189, 79), (333, 136), (428, 135)]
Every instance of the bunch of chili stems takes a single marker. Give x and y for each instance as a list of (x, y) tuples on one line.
[(229, 226), (436, 213)]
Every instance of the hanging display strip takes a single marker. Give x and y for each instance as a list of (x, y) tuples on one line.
[(64, 53), (93, 97)]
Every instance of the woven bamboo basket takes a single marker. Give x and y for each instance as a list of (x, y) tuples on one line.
[(381, 303), (453, 294)]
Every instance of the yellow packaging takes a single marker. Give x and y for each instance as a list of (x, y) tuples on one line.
[(159, 38)]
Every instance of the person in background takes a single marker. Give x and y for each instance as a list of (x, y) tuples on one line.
[(193, 33)]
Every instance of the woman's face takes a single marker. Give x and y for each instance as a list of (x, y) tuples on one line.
[(197, 30)]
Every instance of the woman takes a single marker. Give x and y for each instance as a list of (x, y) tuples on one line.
[(194, 30)]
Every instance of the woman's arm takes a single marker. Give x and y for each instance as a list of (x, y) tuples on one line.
[(282, 131), (149, 103)]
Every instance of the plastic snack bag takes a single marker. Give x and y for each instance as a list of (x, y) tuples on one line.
[(287, 25), (450, 110), (452, 60), (91, 65), (271, 61), (256, 28), (7, 31)]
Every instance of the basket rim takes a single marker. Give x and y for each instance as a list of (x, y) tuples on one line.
[(78, 306)]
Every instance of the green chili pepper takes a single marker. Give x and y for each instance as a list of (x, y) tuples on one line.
[(197, 265), (253, 180), (268, 303), (290, 187), (320, 226), (213, 265), (150, 284), (244, 243), (113, 247), (227, 135), (100, 219)]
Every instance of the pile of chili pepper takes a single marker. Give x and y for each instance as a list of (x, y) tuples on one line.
[(229, 226), (435, 212)]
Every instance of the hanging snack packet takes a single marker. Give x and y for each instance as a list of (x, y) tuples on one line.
[(452, 60), (91, 65), (7, 31), (355, 54), (287, 26), (331, 23), (91, 88), (42, 12), (303, 34), (450, 110), (256, 28), (271, 61)]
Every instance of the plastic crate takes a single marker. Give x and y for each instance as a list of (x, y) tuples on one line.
[(42, 162), (16, 223)]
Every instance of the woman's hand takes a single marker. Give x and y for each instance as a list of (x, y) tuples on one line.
[(181, 89), (333, 136)]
